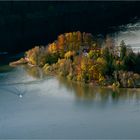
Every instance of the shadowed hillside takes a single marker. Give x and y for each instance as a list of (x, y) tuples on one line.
[(25, 24)]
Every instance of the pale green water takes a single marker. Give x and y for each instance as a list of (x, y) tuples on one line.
[(35, 107)]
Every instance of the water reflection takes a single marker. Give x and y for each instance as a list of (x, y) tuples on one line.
[(34, 71), (90, 92), (67, 109), (5, 68)]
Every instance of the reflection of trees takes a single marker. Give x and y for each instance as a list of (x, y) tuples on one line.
[(34, 71), (80, 90), (5, 68), (83, 91)]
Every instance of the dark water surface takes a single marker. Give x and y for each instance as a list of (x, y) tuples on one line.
[(35, 107)]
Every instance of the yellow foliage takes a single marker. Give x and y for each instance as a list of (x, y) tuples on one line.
[(69, 54), (61, 39), (32, 59), (130, 82), (101, 61), (52, 48), (83, 67), (115, 85), (102, 51), (79, 77), (101, 78)]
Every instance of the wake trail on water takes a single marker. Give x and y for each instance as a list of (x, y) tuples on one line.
[(26, 82)]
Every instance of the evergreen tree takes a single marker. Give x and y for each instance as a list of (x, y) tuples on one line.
[(122, 50)]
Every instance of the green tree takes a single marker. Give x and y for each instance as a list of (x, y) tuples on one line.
[(122, 50)]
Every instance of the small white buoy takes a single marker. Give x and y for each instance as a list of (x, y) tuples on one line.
[(20, 96)]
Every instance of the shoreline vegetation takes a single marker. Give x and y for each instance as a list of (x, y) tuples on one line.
[(80, 57)]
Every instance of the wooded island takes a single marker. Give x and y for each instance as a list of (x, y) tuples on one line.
[(81, 57)]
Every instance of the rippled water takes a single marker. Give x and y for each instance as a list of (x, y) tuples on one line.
[(32, 106)]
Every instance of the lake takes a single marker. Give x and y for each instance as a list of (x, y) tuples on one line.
[(34, 106)]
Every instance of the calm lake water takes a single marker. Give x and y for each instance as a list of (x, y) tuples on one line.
[(32, 106)]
